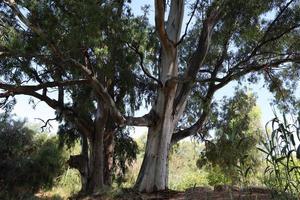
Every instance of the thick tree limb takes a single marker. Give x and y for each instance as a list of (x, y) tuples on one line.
[(196, 60), (264, 40), (146, 120), (137, 121), (84, 126), (102, 92), (160, 23), (174, 21), (195, 128), (31, 90), (12, 88)]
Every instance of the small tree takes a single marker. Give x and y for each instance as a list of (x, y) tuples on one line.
[(238, 132)]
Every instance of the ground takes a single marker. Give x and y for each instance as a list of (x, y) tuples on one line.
[(220, 192)]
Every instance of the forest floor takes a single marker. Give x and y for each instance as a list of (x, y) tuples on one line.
[(221, 192)]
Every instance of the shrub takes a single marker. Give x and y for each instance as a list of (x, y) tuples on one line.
[(30, 161)]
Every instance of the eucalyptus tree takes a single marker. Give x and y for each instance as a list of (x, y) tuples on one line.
[(229, 40), (238, 130), (75, 56)]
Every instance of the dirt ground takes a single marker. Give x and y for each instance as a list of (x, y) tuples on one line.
[(220, 192)]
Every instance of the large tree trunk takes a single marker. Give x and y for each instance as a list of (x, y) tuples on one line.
[(95, 162), (153, 175), (109, 147), (95, 179), (91, 162), (90, 167)]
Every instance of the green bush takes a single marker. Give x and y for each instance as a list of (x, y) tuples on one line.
[(68, 184), (29, 161), (216, 176), (232, 150)]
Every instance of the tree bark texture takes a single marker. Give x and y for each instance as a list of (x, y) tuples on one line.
[(153, 175), (109, 147)]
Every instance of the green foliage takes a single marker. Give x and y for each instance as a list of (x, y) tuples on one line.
[(183, 172), (216, 176), (66, 185), (29, 161), (233, 150), (104, 35), (282, 172), (244, 37), (126, 150)]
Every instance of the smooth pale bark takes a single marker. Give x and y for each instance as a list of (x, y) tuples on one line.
[(153, 175)]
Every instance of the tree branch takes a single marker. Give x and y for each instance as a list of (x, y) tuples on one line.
[(84, 126), (224, 81), (196, 60), (101, 91), (46, 123), (188, 23), (146, 72), (263, 40), (174, 22), (160, 23), (254, 68), (195, 128), (146, 120), (12, 88)]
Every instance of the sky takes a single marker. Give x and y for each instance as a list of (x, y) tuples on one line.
[(42, 111)]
